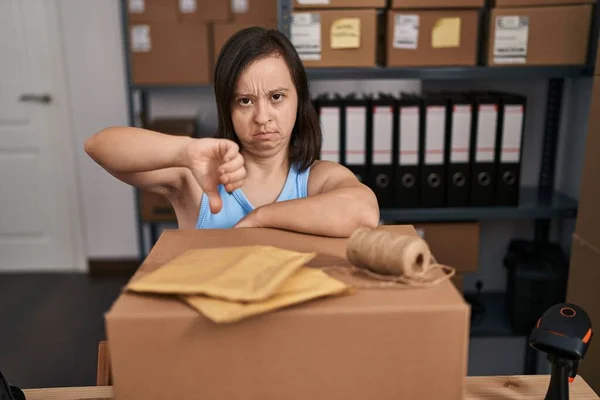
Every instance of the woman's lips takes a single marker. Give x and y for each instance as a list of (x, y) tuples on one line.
[(264, 135)]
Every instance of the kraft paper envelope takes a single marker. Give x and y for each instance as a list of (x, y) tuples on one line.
[(248, 273), (446, 33), (306, 284)]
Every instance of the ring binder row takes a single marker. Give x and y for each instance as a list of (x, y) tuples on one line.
[(438, 149)]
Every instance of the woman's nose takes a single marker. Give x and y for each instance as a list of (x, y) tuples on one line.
[(261, 116)]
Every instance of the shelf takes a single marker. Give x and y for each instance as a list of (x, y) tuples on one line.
[(558, 206), (430, 73), (493, 321), (446, 73)]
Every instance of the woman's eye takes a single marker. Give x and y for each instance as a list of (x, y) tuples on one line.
[(244, 101), (277, 97)]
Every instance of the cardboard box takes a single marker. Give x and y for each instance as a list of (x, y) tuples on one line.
[(156, 208), (254, 12), (439, 4), (539, 35), (336, 38), (375, 343), (584, 269), (459, 282), (432, 38), (203, 10), (152, 11), (314, 4), (169, 53), (453, 244), (174, 126), (222, 32), (529, 3)]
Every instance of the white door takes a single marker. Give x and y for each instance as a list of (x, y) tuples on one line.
[(39, 209)]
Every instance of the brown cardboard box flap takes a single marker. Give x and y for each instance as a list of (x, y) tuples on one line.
[(371, 344), (439, 4)]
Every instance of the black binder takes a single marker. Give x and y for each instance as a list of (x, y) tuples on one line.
[(483, 149), (408, 151), (458, 146), (383, 135), (329, 110), (434, 111), (511, 125), (356, 120)]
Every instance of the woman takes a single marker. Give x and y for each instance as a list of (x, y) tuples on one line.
[(262, 169)]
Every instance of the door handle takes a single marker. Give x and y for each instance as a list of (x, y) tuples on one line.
[(36, 98)]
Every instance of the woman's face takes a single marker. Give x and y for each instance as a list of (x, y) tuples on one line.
[(264, 107)]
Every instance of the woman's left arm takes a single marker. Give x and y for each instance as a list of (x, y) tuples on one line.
[(336, 205)]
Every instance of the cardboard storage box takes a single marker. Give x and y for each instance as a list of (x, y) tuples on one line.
[(336, 38), (584, 269), (177, 10), (203, 10), (529, 3), (439, 4), (453, 243), (375, 343), (539, 35), (222, 32), (459, 282), (313, 4), (169, 53), (432, 38), (156, 208), (254, 12)]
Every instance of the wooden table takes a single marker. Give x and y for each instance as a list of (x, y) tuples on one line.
[(477, 388)]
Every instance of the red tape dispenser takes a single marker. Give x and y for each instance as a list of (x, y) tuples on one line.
[(564, 332)]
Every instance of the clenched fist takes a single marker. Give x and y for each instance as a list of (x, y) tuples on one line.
[(214, 162)]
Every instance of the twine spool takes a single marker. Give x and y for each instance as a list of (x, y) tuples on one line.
[(393, 259)]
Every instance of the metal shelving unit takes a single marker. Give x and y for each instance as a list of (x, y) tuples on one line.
[(541, 204)]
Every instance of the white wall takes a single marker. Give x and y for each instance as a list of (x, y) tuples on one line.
[(95, 72)]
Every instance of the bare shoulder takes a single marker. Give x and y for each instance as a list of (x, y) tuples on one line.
[(325, 175)]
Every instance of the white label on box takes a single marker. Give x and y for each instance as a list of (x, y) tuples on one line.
[(510, 39), (511, 134), (406, 31), (140, 38), (486, 133), (310, 2), (187, 6), (306, 35), (461, 134), (239, 6), (409, 136), (383, 131), (435, 135), (330, 122), (356, 135), (137, 6)]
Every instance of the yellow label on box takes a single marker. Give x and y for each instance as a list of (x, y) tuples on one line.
[(345, 33), (446, 33)]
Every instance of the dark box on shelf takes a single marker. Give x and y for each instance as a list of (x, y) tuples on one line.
[(336, 38), (527, 3), (169, 53), (537, 279), (418, 38), (254, 12), (539, 35)]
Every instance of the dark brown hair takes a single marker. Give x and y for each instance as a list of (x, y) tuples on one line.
[(240, 50)]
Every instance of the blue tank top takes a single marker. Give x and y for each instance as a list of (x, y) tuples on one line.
[(236, 206)]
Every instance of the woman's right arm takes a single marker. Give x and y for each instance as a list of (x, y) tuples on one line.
[(163, 163), (148, 160)]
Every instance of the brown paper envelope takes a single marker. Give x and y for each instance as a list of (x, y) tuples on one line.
[(306, 284), (248, 273)]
